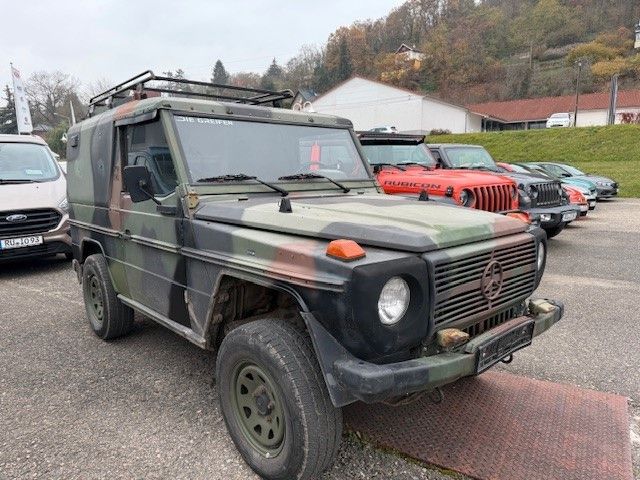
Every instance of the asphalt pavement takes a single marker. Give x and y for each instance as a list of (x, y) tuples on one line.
[(72, 406)]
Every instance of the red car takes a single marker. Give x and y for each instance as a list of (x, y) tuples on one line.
[(577, 198), (404, 165)]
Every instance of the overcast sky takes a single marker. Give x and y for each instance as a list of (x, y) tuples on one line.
[(112, 40)]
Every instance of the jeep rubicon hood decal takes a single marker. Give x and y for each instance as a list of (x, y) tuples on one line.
[(375, 220)]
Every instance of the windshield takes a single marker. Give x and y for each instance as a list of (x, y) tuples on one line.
[(518, 168), (215, 147), (398, 154), (470, 157), (27, 162), (571, 170)]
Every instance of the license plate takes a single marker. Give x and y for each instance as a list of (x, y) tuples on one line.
[(567, 217), (20, 242), (502, 346), (592, 203), (584, 208)]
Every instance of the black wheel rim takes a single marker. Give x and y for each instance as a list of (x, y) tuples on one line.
[(258, 408)]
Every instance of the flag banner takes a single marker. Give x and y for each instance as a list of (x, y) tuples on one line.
[(22, 105)]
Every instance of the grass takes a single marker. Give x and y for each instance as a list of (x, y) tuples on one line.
[(612, 151)]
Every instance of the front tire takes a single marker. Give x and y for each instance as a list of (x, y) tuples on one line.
[(552, 232), (275, 402), (109, 318)]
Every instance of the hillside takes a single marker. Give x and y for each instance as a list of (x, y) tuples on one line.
[(610, 151)]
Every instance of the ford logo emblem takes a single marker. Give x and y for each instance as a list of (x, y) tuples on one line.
[(19, 217)]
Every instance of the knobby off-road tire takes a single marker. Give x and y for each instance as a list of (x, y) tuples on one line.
[(275, 402), (108, 317), (552, 232)]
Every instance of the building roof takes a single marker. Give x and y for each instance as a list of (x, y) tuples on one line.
[(406, 48), (531, 109)]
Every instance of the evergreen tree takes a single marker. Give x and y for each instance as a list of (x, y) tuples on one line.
[(345, 68), (220, 74), (272, 78), (8, 120)]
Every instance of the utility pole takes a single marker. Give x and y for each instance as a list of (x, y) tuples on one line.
[(575, 112)]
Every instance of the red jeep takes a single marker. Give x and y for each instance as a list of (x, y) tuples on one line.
[(404, 165)]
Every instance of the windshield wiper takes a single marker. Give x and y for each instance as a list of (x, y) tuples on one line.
[(308, 176), (411, 164), (241, 177), (18, 180), (383, 164)]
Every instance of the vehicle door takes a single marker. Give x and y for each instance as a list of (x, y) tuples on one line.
[(151, 230)]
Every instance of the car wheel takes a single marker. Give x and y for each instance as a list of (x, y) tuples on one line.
[(275, 402), (552, 232), (109, 318)]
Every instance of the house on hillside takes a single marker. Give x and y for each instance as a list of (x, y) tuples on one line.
[(533, 113), (409, 53), (369, 104)]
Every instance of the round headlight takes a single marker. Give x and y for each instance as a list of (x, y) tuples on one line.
[(466, 198), (393, 301), (533, 192), (541, 255)]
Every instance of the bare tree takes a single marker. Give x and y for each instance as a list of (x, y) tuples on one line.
[(49, 95)]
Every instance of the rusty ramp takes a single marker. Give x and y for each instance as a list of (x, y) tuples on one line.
[(500, 426)]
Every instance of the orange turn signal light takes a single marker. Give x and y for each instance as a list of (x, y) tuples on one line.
[(522, 216), (346, 250)]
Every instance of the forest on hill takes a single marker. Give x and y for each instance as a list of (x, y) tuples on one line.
[(474, 50)]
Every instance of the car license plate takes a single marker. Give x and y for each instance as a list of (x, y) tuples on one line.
[(569, 216), (502, 346), (20, 242), (592, 203)]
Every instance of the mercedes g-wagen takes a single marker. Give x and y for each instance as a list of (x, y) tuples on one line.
[(313, 287)]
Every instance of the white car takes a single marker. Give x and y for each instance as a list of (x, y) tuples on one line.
[(559, 120), (386, 129)]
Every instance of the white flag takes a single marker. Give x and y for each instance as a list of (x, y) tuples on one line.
[(23, 116)]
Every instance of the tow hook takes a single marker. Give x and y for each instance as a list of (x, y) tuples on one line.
[(508, 358)]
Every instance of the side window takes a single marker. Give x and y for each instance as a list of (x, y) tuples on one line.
[(146, 145)]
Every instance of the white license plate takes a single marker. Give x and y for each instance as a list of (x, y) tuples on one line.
[(20, 242), (569, 216), (584, 208), (592, 203)]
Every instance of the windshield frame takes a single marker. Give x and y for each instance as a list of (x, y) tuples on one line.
[(48, 152), (241, 186)]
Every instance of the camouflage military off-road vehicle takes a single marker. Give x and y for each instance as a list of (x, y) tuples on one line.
[(315, 288)]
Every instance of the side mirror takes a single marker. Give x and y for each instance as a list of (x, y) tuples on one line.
[(137, 182)]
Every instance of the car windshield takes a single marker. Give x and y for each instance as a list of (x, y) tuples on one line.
[(218, 147), (571, 170), (399, 154), (519, 169), (470, 157), (28, 162)]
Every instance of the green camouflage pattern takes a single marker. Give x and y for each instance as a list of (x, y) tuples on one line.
[(226, 252)]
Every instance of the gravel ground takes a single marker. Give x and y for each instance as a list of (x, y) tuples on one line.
[(73, 406)]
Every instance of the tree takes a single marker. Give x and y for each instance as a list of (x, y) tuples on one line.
[(8, 120), (49, 95), (344, 68), (220, 75), (273, 77), (300, 70)]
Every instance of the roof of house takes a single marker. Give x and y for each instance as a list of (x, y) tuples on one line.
[(406, 48), (541, 108)]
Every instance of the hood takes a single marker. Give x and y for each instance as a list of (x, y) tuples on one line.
[(462, 178), (579, 182), (527, 179), (27, 196), (376, 220), (594, 178)]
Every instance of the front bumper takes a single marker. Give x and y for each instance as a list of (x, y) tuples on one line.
[(350, 379), (54, 241), (551, 217), (606, 192)]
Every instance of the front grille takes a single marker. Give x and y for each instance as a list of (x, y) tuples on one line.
[(458, 281), (37, 221), (549, 195), (494, 198), (482, 326)]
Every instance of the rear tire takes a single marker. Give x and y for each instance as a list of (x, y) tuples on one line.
[(275, 402), (552, 232), (108, 317)]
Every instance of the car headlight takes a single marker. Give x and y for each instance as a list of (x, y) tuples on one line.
[(466, 198), (64, 205), (541, 254), (533, 192), (393, 301)]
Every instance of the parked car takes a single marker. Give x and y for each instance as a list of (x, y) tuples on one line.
[(586, 187), (559, 120), (606, 187), (33, 202), (577, 198), (540, 197), (404, 165), (277, 249), (385, 129)]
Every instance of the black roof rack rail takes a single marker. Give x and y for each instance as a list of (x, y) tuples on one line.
[(147, 81)]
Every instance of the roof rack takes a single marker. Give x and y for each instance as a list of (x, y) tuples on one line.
[(147, 81)]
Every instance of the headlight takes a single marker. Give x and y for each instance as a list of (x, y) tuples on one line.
[(466, 198), (533, 192), (541, 255), (393, 301), (64, 205)]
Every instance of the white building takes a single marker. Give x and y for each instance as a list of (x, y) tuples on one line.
[(369, 104)]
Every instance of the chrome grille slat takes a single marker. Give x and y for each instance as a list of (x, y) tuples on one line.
[(493, 198), (458, 281), (37, 221)]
